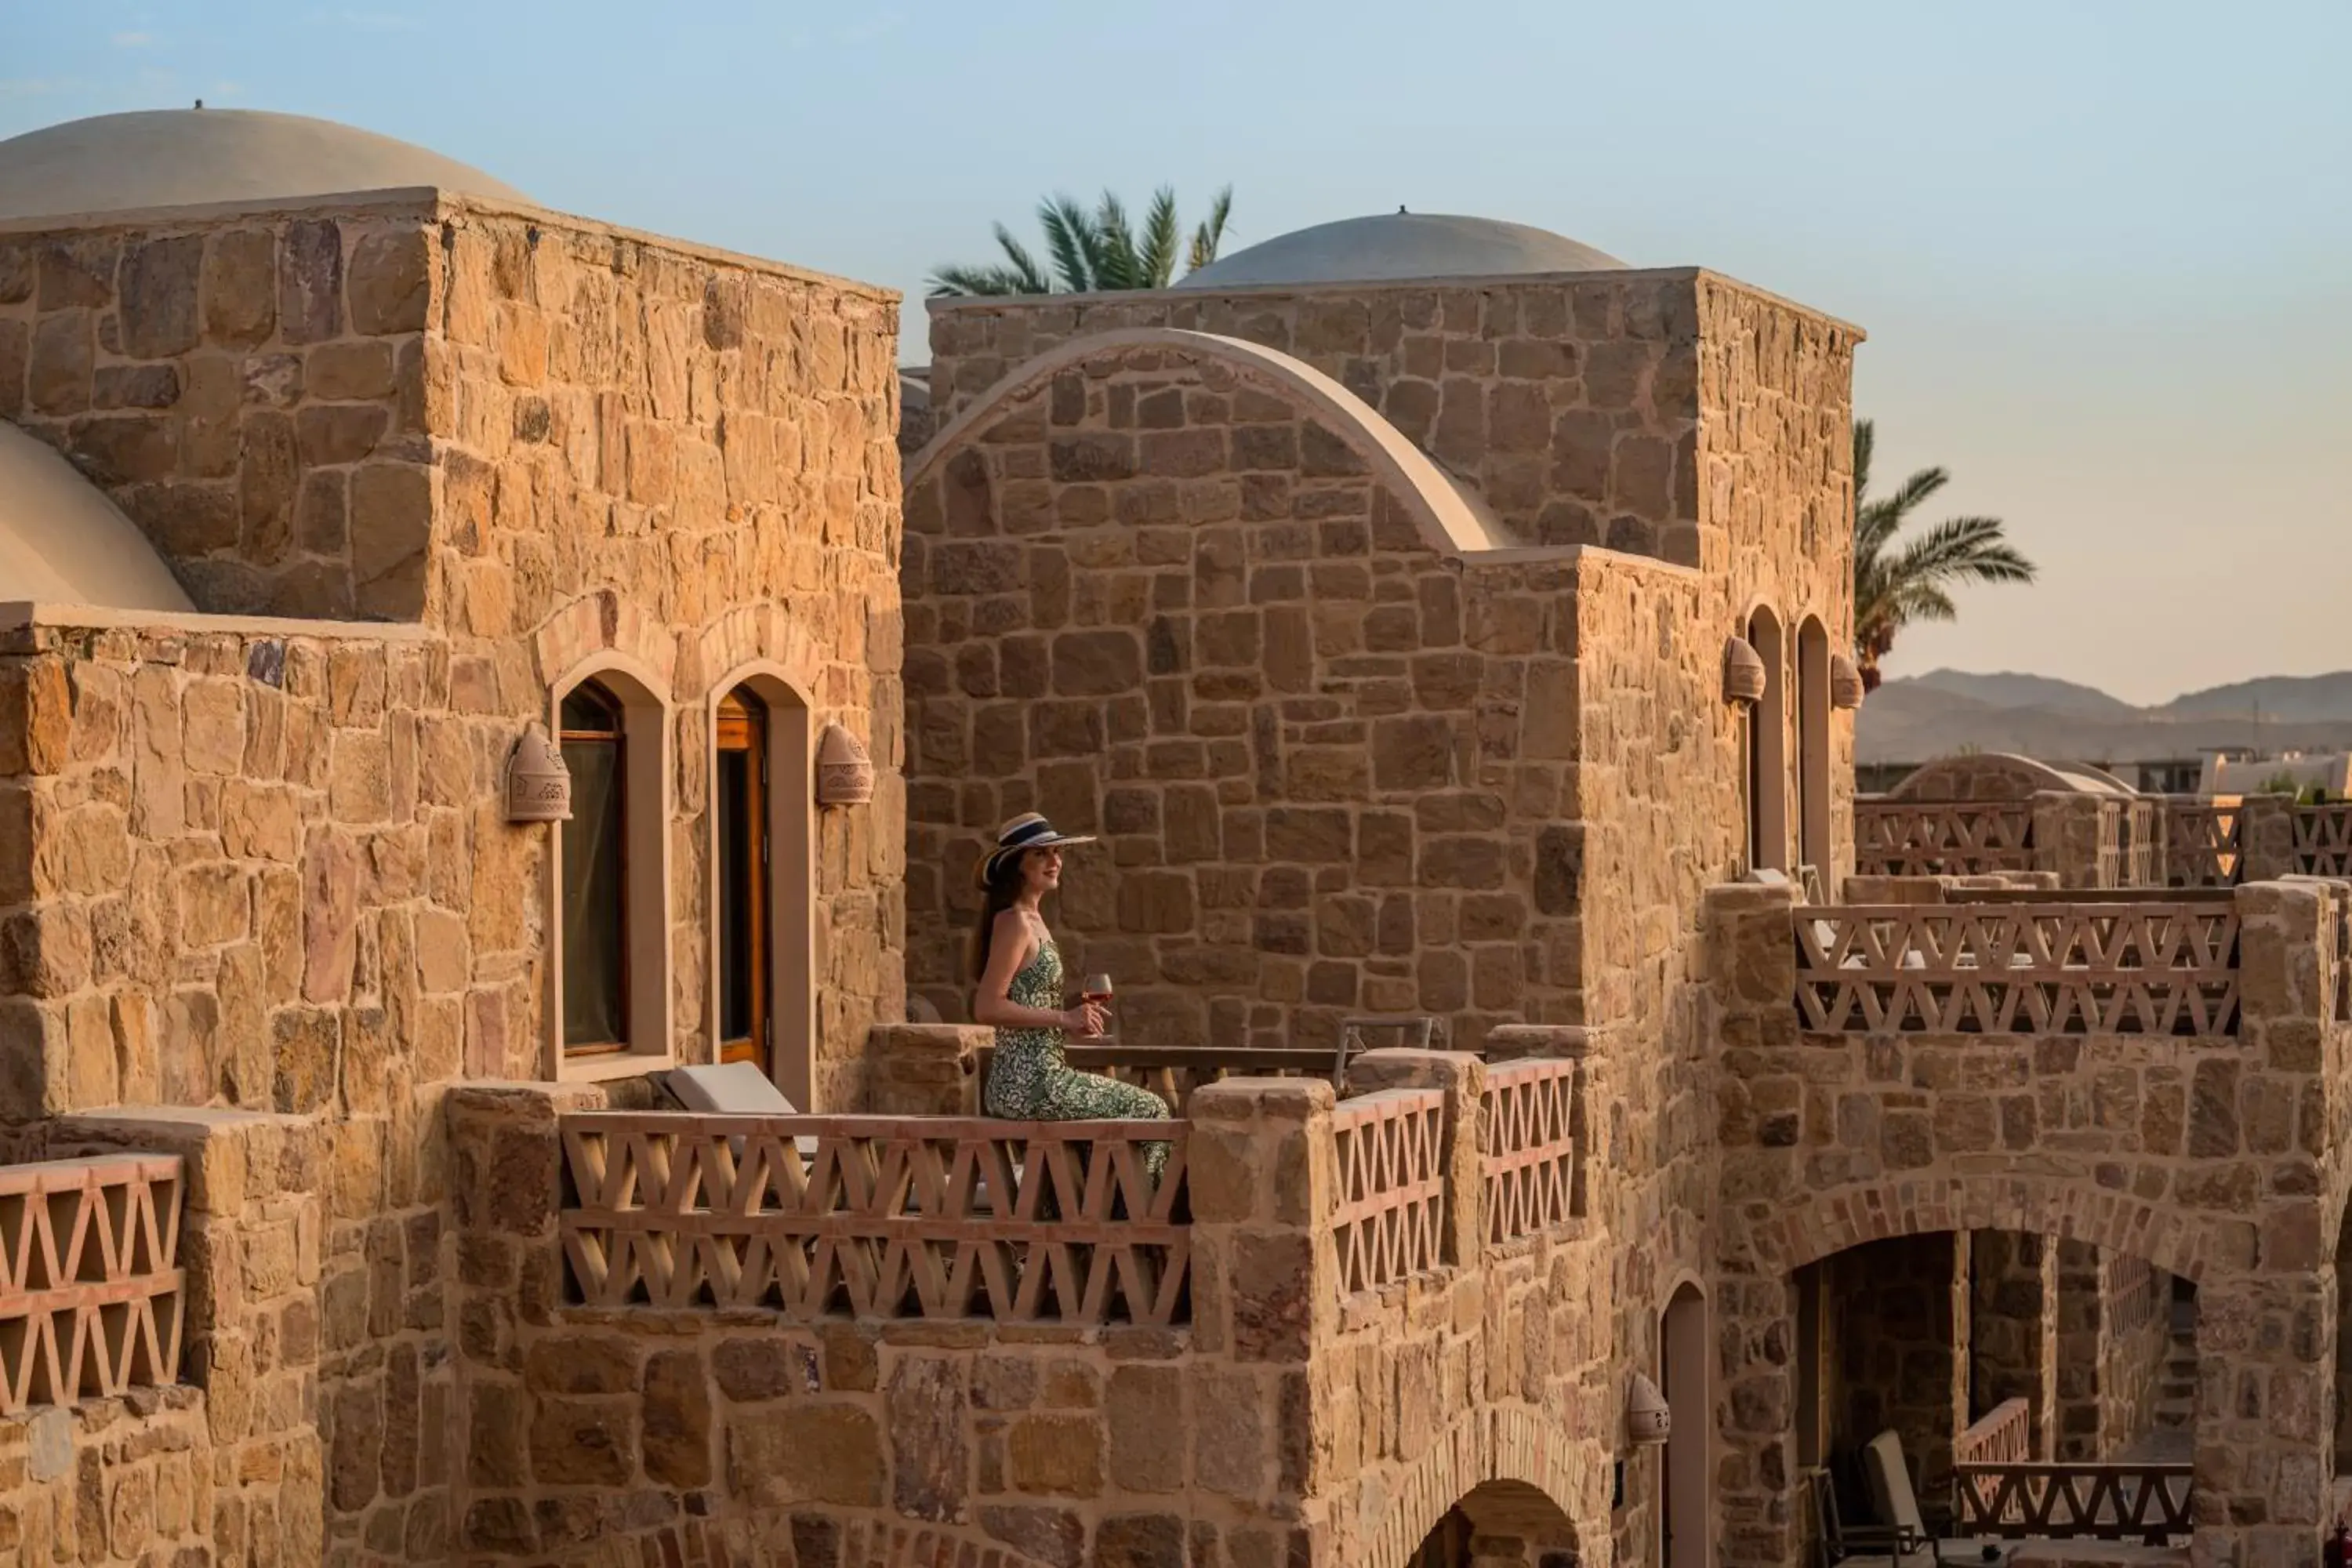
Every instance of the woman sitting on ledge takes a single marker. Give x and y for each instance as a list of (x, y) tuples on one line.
[(1019, 971)]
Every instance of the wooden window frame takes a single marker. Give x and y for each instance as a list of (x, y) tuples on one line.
[(618, 739), (742, 724)]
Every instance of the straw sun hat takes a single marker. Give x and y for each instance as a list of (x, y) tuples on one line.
[(1023, 833)]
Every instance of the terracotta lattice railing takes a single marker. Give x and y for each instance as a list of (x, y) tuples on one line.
[(1530, 1127), (2138, 967), (2200, 847), (2130, 1290), (817, 1216), (1942, 838), (2322, 839), (91, 1284), (2003, 1435), (2069, 1500), (1390, 1218)]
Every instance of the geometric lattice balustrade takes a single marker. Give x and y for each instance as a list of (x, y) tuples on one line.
[(1529, 1126), (1388, 1222), (937, 1217), (1941, 839), (2147, 968), (2201, 844), (2323, 840), (91, 1286)]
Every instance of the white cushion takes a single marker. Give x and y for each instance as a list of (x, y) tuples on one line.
[(730, 1088), (733, 1089)]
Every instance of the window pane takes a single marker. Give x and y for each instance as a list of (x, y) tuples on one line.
[(596, 937), (588, 709), (736, 878)]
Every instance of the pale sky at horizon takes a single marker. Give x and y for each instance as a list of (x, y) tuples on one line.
[(2101, 250)]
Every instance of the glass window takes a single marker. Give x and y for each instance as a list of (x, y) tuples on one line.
[(595, 874)]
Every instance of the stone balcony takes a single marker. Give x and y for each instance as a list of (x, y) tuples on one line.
[(844, 1340), (2160, 1074)]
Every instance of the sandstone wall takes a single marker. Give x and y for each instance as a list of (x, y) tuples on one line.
[(265, 865), (2013, 1341), (1155, 602), (119, 1480), (2207, 1156), (1569, 403), (831, 1446), (1902, 1357), (249, 387)]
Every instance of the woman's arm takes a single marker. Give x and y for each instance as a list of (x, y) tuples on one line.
[(1010, 946)]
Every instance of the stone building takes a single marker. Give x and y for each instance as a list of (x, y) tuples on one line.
[(1435, 617)]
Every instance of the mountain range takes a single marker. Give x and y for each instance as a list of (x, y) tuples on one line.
[(1920, 716)]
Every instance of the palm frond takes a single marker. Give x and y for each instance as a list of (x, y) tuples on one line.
[(1211, 235), (1118, 265), (1896, 583), (1070, 240), (950, 282), (1156, 247), (1021, 263)]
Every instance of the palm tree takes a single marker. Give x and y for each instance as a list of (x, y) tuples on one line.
[(1094, 251), (1893, 585)]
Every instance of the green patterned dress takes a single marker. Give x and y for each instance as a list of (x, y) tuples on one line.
[(1031, 1081)]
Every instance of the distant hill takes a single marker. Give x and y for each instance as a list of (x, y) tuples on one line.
[(1935, 714), (2291, 699), (2011, 690)]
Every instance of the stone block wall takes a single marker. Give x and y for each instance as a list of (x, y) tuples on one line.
[(2014, 1340), (1904, 1322), (840, 1443), (263, 865), (2206, 1156), (1317, 754), (248, 386), (119, 1480), (1569, 403)]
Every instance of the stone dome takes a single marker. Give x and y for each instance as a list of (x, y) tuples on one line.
[(191, 157), (1397, 246), (63, 541)]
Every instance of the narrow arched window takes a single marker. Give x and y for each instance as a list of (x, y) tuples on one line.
[(740, 784), (595, 874)]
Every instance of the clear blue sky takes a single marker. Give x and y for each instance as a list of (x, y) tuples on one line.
[(2104, 252)]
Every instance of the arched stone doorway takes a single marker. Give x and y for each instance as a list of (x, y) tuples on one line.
[(1498, 1523), (1684, 1529)]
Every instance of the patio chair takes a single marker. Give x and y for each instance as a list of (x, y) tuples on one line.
[(732, 1088), (1898, 1505)]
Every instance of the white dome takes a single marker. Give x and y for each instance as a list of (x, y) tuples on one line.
[(62, 542), (1396, 246), (191, 157)]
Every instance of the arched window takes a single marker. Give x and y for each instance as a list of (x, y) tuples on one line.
[(609, 998), (595, 855), (1767, 750), (761, 845), (746, 1020), (1814, 747)]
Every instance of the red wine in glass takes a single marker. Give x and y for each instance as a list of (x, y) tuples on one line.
[(1096, 991)]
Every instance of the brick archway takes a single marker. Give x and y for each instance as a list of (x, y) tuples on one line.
[(2180, 1241), (1524, 1463)]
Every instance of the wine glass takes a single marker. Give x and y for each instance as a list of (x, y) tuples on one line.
[(1097, 990)]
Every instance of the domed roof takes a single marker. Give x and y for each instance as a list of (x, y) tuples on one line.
[(62, 542), (189, 157), (1398, 244)]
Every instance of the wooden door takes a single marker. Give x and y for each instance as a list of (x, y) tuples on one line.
[(739, 796)]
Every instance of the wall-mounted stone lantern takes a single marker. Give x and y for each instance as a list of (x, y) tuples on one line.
[(1648, 1422), (844, 774), (539, 786), (1743, 672), (1845, 682)]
